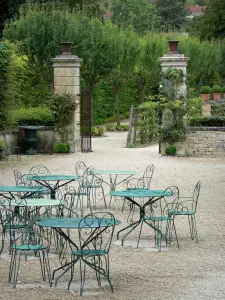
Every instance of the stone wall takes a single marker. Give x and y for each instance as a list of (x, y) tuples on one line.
[(205, 141), (45, 139)]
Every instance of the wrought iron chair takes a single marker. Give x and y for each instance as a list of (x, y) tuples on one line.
[(17, 175), (95, 237), (187, 206), (89, 185), (39, 170), (160, 216), (25, 240), (144, 182)]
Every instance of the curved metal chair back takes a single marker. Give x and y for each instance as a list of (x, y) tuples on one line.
[(95, 233), (167, 204), (147, 176), (80, 168), (39, 170), (17, 175)]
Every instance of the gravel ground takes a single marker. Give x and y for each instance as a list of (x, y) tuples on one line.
[(194, 271)]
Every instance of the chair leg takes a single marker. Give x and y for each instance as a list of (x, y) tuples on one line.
[(107, 272), (16, 269), (195, 228), (139, 233), (191, 226), (175, 232), (82, 277)]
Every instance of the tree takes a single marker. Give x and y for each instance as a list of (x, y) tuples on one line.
[(128, 48), (172, 12), (41, 31), (148, 65), (214, 20), (8, 9), (139, 14)]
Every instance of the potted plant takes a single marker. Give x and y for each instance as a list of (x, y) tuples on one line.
[(205, 92), (216, 91)]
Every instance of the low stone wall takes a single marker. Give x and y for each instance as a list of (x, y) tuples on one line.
[(205, 141), (45, 139)]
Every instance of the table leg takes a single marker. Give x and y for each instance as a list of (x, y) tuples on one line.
[(132, 226)]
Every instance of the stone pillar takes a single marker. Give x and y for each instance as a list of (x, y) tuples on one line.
[(67, 79), (175, 60)]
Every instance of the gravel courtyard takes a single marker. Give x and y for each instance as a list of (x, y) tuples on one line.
[(194, 271)]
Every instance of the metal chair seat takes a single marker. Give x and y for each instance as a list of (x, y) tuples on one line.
[(183, 213), (29, 247), (158, 218), (89, 252)]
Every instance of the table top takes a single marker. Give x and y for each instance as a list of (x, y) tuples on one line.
[(53, 177), (31, 202), (20, 188), (114, 172), (138, 193), (76, 222)]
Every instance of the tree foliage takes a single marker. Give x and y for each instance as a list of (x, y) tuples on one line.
[(140, 14), (172, 12), (214, 20)]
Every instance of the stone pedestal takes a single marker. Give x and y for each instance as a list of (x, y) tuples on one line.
[(175, 60), (206, 109), (67, 79)]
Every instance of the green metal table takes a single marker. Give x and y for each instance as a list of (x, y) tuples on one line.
[(59, 181), (11, 191), (58, 224), (150, 197), (113, 177)]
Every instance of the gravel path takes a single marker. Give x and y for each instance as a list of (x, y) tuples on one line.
[(194, 271)]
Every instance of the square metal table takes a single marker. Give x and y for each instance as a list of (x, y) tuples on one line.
[(58, 224), (58, 180), (11, 191), (113, 178), (150, 197)]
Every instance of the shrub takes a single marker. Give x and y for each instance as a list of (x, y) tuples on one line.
[(171, 150), (205, 90), (123, 127), (216, 89), (97, 131), (207, 121), (194, 107), (40, 115), (110, 127), (61, 148)]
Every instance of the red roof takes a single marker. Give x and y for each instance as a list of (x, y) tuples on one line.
[(196, 10)]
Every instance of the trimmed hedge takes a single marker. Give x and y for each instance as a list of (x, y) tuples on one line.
[(208, 121), (40, 115), (61, 148)]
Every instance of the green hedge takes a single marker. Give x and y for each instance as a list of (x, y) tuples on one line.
[(61, 148), (207, 121), (31, 116)]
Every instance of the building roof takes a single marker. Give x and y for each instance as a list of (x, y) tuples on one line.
[(196, 10)]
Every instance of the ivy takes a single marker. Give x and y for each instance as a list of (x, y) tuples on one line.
[(62, 108)]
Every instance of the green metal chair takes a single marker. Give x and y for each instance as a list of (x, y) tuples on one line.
[(187, 206), (94, 245), (160, 216), (144, 182), (89, 185)]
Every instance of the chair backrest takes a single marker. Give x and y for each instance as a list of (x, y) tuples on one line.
[(39, 170), (167, 204), (196, 196), (147, 176), (96, 232), (17, 175), (80, 168)]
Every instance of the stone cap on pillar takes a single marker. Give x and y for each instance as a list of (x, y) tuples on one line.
[(66, 55), (173, 58)]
